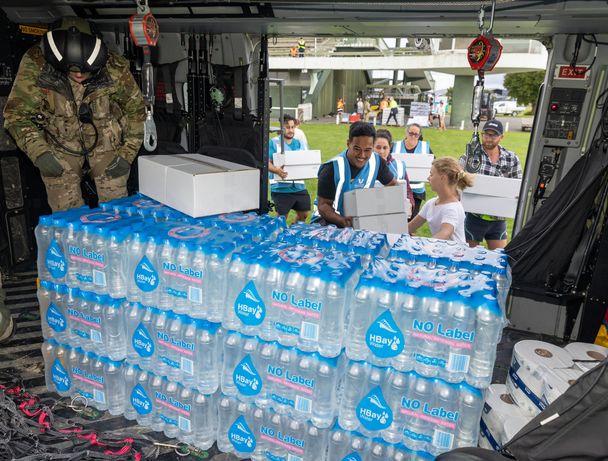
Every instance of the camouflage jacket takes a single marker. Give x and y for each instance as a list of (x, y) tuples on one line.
[(41, 91)]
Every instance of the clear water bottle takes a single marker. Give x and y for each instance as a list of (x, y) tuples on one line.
[(181, 303), (237, 275), (276, 425), (96, 320), (44, 236), (84, 263), (115, 387), (226, 418), (117, 262), (183, 409), (80, 332), (217, 271), (356, 347), (143, 399), (305, 372), (157, 394), (273, 279), (284, 395), (416, 426), (129, 376), (257, 417), (266, 357), (339, 444), (460, 324), (135, 253), (168, 271), (408, 311), (396, 388), (309, 340), (147, 277), (324, 406), (49, 354), (489, 327), (432, 354), (204, 420), (379, 451), (169, 408), (207, 356), (253, 280), (71, 252), (196, 299), (114, 329), (164, 360), (315, 443), (353, 385), (99, 259), (46, 291), (470, 407), (332, 321), (231, 357)]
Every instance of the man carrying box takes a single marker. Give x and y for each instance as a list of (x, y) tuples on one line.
[(288, 195), (357, 167), (495, 161)]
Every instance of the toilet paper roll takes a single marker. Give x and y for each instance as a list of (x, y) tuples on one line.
[(530, 364), (586, 356), (501, 417), (558, 381)]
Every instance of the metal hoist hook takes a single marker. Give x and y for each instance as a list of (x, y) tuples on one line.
[(144, 32)]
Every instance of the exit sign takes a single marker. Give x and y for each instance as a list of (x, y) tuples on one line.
[(569, 72)]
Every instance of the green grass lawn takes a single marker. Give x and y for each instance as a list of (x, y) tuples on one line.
[(331, 140)]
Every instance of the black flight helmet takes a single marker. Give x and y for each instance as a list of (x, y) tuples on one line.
[(73, 45)]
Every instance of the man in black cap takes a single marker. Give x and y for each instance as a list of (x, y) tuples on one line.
[(495, 161)]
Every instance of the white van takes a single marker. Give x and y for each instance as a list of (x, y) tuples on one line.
[(507, 108)]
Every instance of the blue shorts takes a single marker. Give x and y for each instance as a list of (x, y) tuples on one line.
[(478, 229)]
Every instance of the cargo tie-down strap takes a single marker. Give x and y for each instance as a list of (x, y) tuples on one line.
[(31, 431)]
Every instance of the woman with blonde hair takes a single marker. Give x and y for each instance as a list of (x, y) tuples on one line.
[(444, 213)]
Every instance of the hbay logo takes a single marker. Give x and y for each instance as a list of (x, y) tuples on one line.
[(383, 337), (241, 437), (373, 412), (248, 306)]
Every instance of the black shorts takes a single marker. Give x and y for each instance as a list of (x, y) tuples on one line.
[(299, 201), (478, 229)]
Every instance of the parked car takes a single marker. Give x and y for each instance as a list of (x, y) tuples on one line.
[(527, 123), (507, 108)]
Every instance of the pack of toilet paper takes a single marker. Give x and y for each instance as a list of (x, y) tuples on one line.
[(539, 373), (586, 356), (501, 418)]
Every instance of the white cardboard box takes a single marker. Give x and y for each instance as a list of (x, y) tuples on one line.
[(395, 223), (375, 201), (492, 195), (198, 185), (418, 166), (299, 164)]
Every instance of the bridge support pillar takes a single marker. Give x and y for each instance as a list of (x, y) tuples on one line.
[(461, 100)]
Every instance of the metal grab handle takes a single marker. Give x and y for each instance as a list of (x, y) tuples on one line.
[(150, 136)]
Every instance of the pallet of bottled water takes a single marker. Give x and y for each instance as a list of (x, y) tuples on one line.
[(452, 256), (290, 293), (83, 319), (172, 408), (363, 243), (261, 228), (303, 385), (352, 446), (71, 371), (179, 347), (425, 414), (437, 322), (260, 434)]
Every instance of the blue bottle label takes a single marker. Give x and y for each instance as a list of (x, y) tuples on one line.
[(140, 400), (241, 437), (383, 337), (246, 377), (354, 456), (60, 377), (146, 277), (249, 307), (55, 261), (142, 342), (373, 412), (55, 319)]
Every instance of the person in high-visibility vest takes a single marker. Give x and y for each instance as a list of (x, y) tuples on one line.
[(394, 111), (413, 144), (301, 47), (357, 167)]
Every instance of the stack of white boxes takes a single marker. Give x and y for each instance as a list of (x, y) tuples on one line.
[(380, 209)]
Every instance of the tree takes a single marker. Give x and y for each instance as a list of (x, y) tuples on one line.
[(524, 86)]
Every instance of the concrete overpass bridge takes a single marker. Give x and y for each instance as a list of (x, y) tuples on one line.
[(332, 67)]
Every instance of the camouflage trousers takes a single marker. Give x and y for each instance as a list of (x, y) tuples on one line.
[(64, 191)]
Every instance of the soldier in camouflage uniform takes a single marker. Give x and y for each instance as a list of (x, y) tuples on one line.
[(75, 105)]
